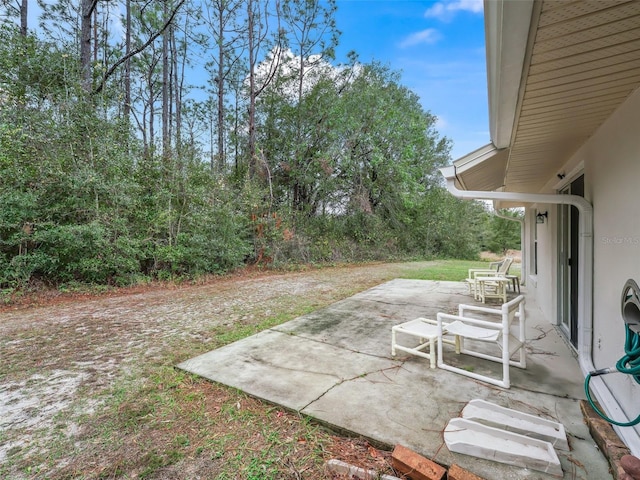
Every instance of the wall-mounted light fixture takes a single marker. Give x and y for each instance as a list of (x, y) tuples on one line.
[(541, 217)]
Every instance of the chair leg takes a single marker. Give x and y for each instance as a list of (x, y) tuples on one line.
[(432, 352), (393, 343), (505, 359)]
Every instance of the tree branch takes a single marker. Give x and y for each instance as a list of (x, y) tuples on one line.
[(136, 51), (92, 7)]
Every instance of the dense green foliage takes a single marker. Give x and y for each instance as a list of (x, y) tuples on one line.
[(343, 168), (503, 234)]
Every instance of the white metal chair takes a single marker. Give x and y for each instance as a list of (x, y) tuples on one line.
[(506, 335)]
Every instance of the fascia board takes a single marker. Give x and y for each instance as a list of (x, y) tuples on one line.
[(474, 158), (507, 24)]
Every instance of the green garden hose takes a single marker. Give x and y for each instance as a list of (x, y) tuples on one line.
[(629, 363)]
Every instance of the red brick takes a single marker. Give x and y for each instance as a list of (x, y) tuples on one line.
[(458, 473), (606, 438), (415, 466)]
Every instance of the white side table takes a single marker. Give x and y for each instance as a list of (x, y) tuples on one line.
[(493, 287), (426, 330)]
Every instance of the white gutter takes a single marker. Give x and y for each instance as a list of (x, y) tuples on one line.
[(506, 27), (523, 260), (585, 288)]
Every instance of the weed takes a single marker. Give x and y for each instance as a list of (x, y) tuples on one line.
[(153, 462), (181, 441), (262, 469)]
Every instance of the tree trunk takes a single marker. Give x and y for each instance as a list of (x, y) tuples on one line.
[(152, 114), (165, 87), (178, 84), (88, 7), (251, 145), (127, 65), (96, 42), (23, 18), (220, 85)]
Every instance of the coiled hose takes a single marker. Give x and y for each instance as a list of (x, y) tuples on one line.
[(629, 363)]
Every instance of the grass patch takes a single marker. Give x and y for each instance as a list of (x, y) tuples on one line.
[(447, 270), (226, 334), (450, 270), (157, 419)]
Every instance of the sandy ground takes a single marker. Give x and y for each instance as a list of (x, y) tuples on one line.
[(59, 359)]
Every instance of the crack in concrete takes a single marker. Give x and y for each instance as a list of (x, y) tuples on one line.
[(341, 347), (413, 304), (280, 367), (345, 380), (400, 364)]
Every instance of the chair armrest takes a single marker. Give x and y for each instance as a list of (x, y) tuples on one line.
[(477, 308), (475, 274), (491, 273), (472, 321), (474, 271)]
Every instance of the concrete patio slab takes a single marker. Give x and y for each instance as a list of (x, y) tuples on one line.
[(280, 368), (335, 365)]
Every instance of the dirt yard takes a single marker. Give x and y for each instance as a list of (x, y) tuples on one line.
[(88, 388)]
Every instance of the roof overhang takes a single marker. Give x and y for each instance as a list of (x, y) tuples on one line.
[(482, 169), (556, 70)]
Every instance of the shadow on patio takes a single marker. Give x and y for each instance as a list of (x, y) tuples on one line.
[(335, 365)]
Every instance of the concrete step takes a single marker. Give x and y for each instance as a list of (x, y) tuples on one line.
[(496, 416), (478, 440)]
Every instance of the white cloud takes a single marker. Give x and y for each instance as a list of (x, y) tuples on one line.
[(446, 10), (287, 66), (428, 36), (441, 123)]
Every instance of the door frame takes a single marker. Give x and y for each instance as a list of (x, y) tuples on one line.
[(568, 266)]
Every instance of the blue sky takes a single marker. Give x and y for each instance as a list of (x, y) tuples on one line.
[(439, 49)]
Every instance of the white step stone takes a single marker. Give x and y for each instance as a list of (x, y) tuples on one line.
[(478, 440), (496, 416)]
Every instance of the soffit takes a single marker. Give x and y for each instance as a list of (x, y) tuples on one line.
[(482, 169), (583, 62)]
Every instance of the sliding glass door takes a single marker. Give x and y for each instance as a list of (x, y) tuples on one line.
[(568, 254)]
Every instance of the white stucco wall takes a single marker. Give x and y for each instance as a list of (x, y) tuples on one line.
[(543, 283), (610, 162), (612, 165), (531, 279), (612, 184)]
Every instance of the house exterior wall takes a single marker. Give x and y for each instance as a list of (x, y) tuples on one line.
[(611, 160), (531, 279), (612, 165), (541, 284)]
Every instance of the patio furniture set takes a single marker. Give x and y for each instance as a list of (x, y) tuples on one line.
[(473, 328), (492, 282), (497, 334)]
